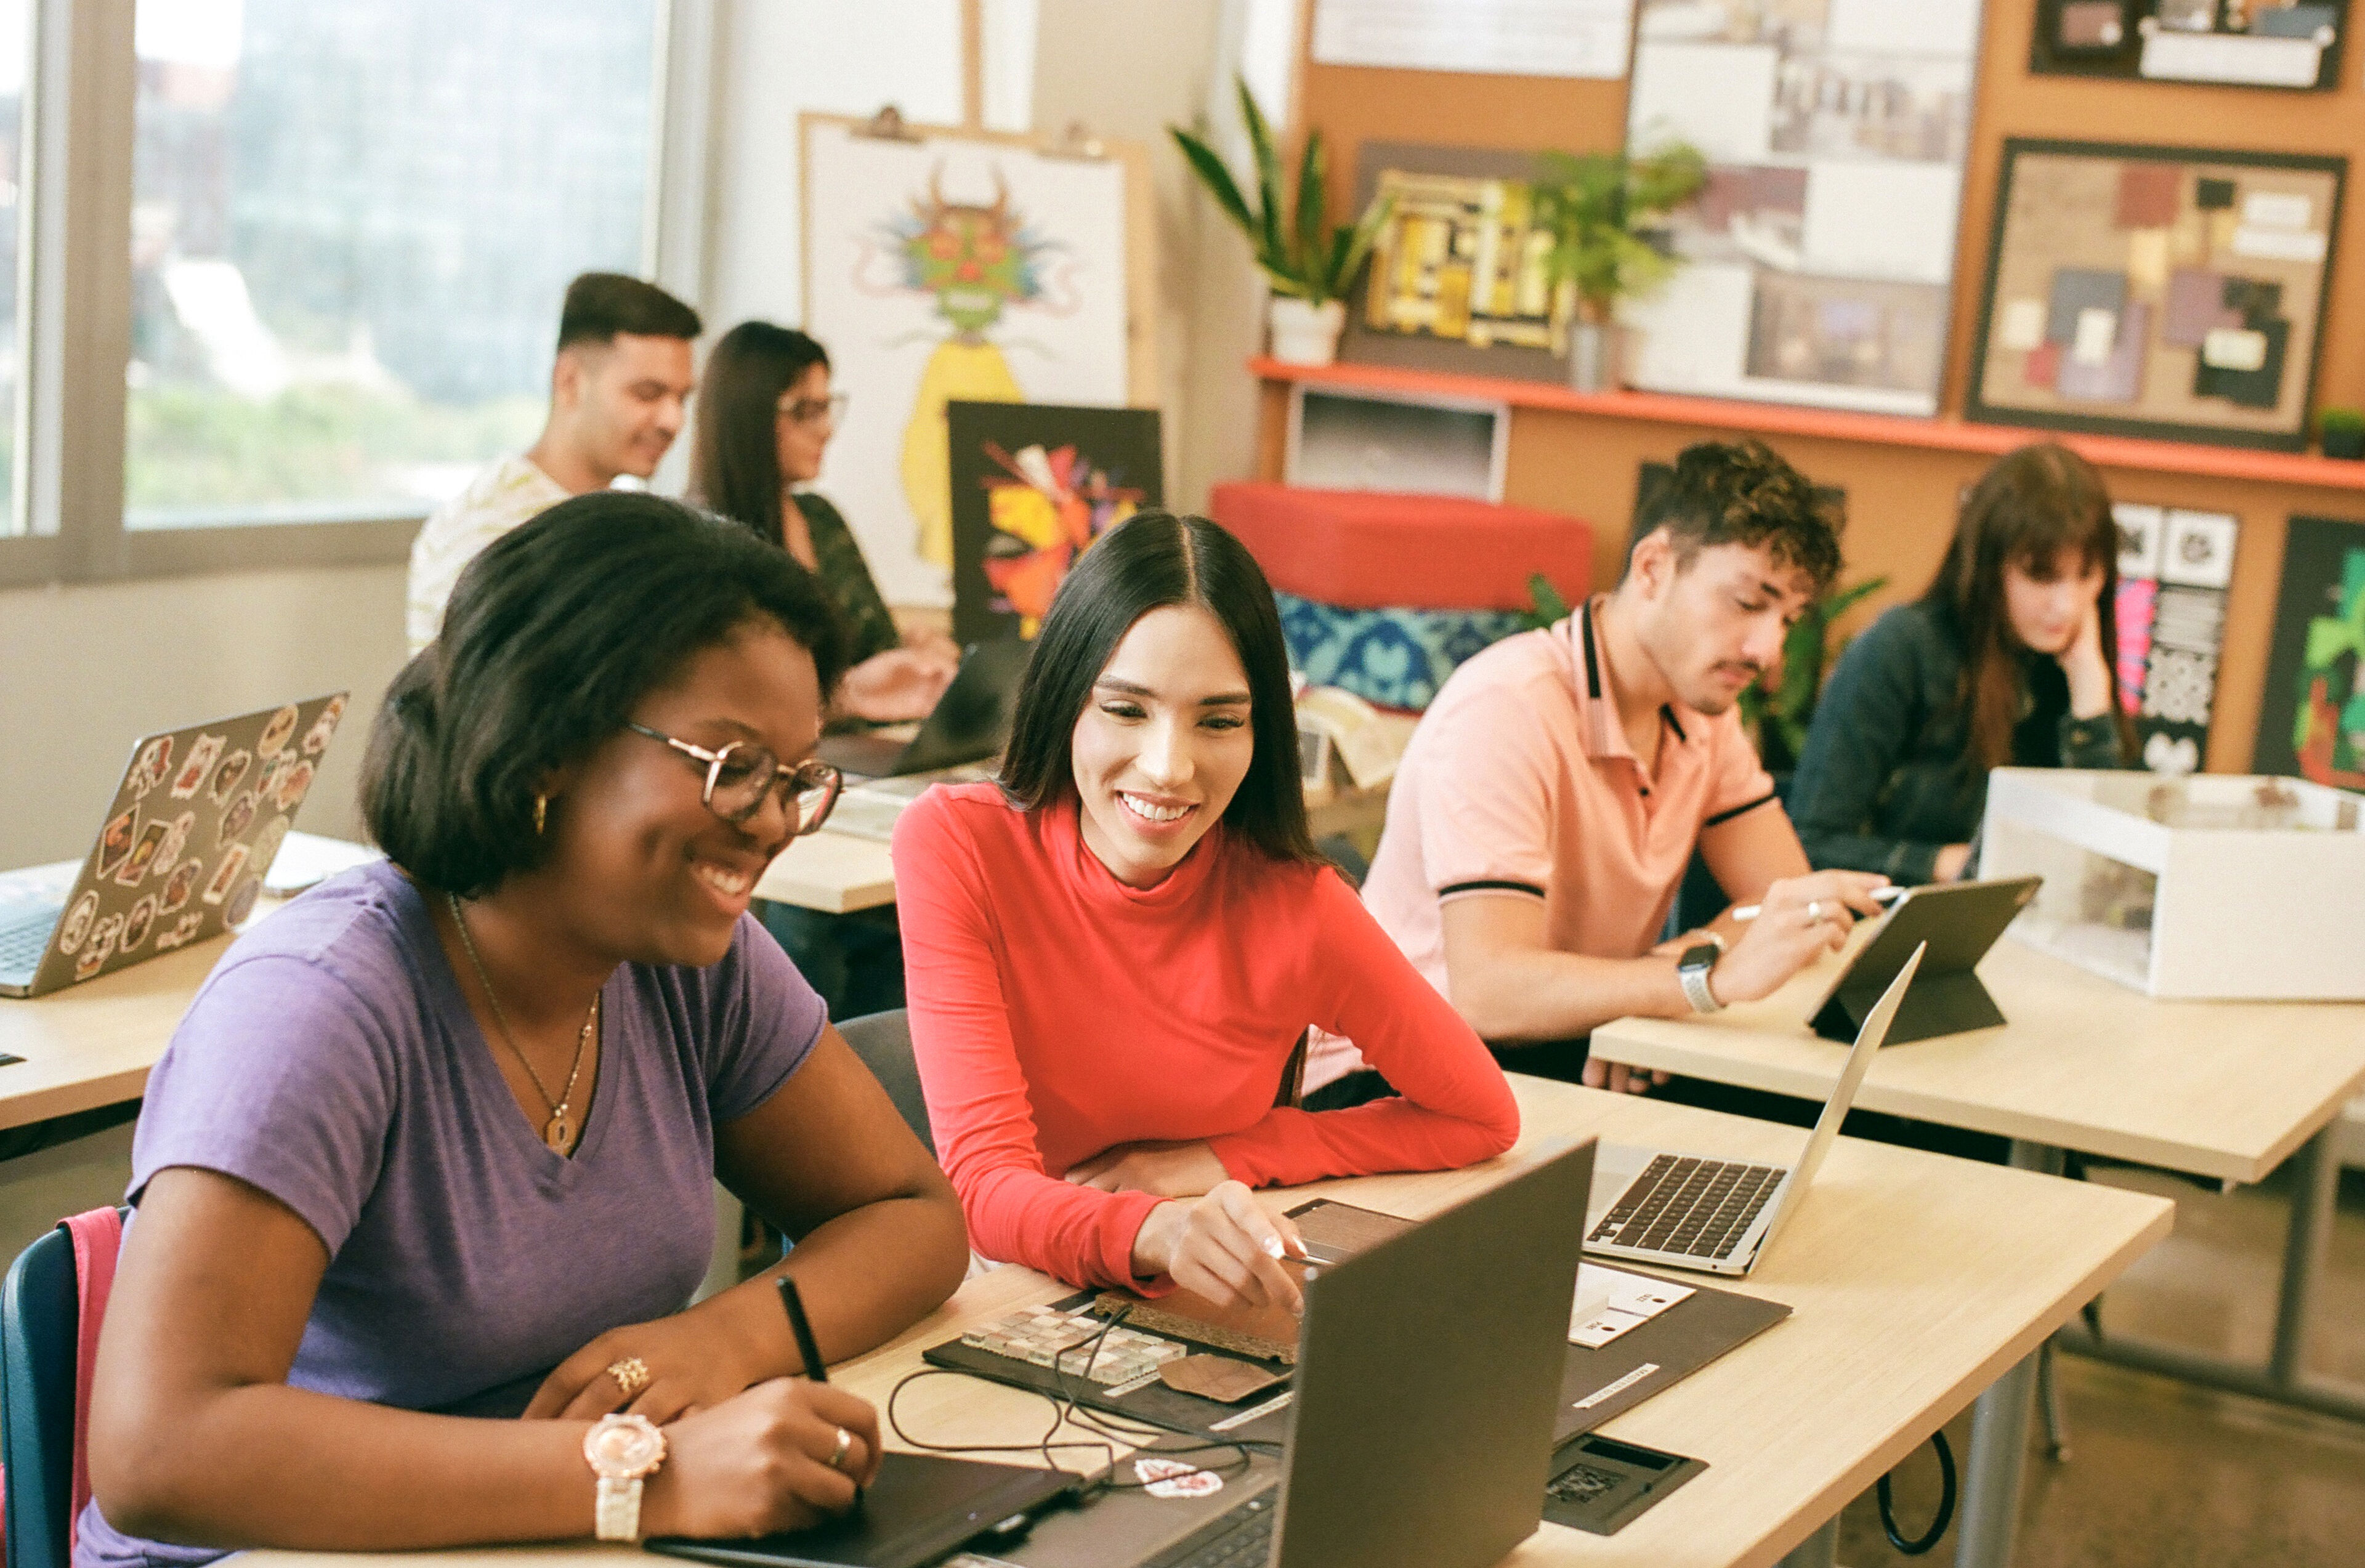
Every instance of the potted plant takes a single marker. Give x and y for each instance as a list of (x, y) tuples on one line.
[(1603, 210), (2342, 431), (1309, 262), (1780, 706)]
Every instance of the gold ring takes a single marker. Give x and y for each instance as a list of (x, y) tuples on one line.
[(837, 1454), (632, 1374)]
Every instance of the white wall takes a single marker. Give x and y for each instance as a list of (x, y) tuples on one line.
[(85, 669)]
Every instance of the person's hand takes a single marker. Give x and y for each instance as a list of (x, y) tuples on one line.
[(1164, 1170), (691, 1365), (1952, 862), (1226, 1246), (1798, 920), (1618, 1077), (2087, 667), (900, 684), (759, 1462)]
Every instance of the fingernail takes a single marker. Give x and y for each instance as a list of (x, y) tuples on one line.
[(1272, 1246)]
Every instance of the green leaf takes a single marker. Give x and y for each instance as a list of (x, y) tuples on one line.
[(1272, 252), (1312, 257), (1217, 178), (1549, 607)]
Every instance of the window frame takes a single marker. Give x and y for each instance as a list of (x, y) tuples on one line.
[(74, 290)]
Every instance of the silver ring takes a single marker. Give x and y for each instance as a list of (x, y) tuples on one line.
[(837, 1455), (1814, 912)]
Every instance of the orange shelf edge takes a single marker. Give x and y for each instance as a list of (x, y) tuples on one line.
[(1946, 433)]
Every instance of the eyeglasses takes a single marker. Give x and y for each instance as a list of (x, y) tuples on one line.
[(814, 410), (743, 774)]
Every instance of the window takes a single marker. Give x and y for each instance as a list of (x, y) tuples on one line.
[(15, 38), (351, 224)]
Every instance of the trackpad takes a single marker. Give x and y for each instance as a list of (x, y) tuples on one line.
[(1615, 1166)]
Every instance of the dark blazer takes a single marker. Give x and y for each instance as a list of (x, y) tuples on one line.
[(1884, 782)]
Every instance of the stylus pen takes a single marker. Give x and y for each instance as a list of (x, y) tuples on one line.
[(814, 1369), (1889, 894)]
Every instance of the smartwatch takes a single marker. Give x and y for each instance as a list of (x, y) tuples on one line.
[(623, 1450), (1692, 969)]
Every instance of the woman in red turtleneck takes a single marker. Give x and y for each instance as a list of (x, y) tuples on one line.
[(1111, 954)]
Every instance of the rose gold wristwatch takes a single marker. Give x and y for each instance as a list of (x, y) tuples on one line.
[(623, 1451)]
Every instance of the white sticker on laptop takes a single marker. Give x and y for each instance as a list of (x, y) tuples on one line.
[(1170, 1478)]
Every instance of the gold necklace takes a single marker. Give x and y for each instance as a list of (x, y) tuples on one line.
[(559, 1131)]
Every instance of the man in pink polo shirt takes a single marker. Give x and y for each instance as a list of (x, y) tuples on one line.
[(1544, 812)]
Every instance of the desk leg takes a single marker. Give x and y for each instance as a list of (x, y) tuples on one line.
[(1820, 1550), (2000, 1434), (2315, 1195)]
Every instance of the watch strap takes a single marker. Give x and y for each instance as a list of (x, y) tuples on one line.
[(1692, 970), (618, 1517)]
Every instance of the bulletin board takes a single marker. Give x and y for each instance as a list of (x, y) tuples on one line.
[(943, 265)]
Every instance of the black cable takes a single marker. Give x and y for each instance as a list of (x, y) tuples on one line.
[(1921, 1545)]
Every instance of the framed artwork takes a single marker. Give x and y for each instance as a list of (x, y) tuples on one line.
[(1457, 280), (1365, 439), (2290, 44), (2174, 569), (1033, 485), (2312, 717), (2156, 291), (1818, 262)]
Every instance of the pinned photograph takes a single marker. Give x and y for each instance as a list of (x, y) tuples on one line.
[(201, 758), (2198, 550), (239, 818), (143, 854), (316, 739), (276, 733), (115, 844), (78, 922), (226, 777), (155, 761), (180, 887), (136, 924), (225, 874)]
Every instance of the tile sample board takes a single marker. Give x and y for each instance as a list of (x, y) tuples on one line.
[(2289, 44)]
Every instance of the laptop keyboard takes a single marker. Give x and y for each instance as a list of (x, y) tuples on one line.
[(1689, 1207), (24, 937), (1242, 1538)]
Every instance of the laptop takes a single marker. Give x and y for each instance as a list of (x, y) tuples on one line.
[(969, 722), (190, 831), (1694, 1211), (1958, 922), (1426, 1383)]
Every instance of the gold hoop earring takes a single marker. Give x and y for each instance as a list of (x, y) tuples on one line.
[(540, 813)]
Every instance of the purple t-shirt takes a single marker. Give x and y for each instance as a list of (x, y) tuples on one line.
[(332, 1061)]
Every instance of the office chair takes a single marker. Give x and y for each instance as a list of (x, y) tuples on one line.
[(883, 1041)]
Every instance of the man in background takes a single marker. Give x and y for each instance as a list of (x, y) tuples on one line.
[(617, 391)]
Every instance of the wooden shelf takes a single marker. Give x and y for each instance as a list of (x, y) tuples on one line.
[(1942, 435)]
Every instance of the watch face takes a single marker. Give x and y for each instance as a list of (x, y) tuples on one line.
[(623, 1448), (1700, 957)]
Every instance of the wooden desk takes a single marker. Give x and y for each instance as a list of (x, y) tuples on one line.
[(93, 1044), (839, 873), (1916, 1280), (2220, 1089)]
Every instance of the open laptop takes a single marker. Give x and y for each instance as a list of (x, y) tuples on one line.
[(1427, 1379), (187, 838), (969, 722), (1695, 1211)]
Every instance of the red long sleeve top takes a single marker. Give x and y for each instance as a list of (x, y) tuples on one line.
[(1057, 1013)]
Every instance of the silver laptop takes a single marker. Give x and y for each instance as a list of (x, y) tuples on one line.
[(191, 829), (1695, 1211), (1427, 1380)]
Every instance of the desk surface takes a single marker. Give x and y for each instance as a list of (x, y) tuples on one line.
[(1916, 1279), (93, 1044), (2220, 1089)]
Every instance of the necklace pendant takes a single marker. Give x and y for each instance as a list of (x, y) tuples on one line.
[(558, 1131)]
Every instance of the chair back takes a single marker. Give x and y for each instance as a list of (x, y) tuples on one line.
[(43, 1380), (883, 1041)]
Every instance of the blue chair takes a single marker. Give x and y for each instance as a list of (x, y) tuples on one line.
[(40, 1323)]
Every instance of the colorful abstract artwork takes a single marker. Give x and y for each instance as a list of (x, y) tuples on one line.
[(950, 269), (1033, 486), (2312, 720), (2174, 569), (2156, 291)]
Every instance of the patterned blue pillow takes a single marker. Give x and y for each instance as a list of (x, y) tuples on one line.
[(1396, 657)]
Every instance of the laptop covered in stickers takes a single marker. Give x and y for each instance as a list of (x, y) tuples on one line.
[(189, 835)]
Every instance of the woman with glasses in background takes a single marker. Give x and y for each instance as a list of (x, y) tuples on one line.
[(440, 1139), (765, 416)]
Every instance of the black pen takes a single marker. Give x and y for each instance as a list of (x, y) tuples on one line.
[(814, 1369)]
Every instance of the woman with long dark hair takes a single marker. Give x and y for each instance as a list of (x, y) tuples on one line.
[(1114, 952), (765, 416), (439, 1140), (2004, 661)]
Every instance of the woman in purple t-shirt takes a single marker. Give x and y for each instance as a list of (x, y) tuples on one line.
[(438, 1141)]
